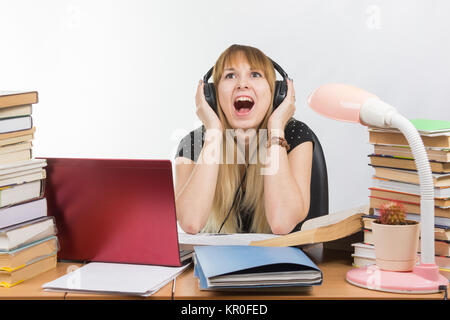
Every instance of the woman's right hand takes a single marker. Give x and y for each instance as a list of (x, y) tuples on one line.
[(204, 111)]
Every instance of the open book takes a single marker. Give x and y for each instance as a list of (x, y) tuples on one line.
[(322, 229)]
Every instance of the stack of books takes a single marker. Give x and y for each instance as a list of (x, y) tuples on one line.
[(396, 179), (28, 242)]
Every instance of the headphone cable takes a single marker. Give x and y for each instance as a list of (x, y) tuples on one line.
[(234, 200), (237, 191)]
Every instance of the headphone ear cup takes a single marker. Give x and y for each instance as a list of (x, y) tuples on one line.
[(210, 95), (280, 93)]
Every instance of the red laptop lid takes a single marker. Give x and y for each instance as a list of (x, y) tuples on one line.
[(114, 210)]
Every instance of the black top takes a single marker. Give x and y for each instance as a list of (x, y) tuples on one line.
[(295, 133)]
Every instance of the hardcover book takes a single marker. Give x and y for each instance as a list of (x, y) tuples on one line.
[(15, 236), (321, 229), (17, 98)]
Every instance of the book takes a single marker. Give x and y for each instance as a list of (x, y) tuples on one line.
[(364, 250), (23, 212), (441, 247), (409, 207), (405, 197), (16, 111), (15, 124), (397, 138), (430, 126), (368, 251), (17, 98), (368, 237), (367, 221), (18, 167), (13, 194), (23, 177), (15, 147), (21, 257), (423, 126), (439, 192), (12, 278), (439, 180), (440, 233), (441, 222), (18, 139), (434, 154), (17, 136), (116, 278), (362, 261), (321, 229), (15, 236), (407, 164), (16, 152), (21, 155), (222, 267)]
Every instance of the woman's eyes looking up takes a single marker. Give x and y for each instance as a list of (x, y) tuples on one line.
[(232, 75)]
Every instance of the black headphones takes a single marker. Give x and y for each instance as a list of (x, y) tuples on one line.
[(279, 94)]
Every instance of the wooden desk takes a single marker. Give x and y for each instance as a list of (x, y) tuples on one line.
[(334, 265), (165, 293)]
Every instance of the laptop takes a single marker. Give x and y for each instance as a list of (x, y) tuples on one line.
[(110, 210)]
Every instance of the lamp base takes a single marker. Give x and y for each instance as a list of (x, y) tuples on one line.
[(424, 278)]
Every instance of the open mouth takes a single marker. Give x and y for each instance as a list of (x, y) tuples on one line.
[(243, 105)]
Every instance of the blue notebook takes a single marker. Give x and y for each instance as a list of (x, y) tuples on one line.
[(254, 267)]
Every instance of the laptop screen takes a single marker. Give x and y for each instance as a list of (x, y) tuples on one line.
[(110, 210)]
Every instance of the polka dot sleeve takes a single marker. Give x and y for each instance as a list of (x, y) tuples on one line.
[(297, 132)]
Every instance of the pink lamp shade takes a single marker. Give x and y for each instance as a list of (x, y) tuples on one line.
[(339, 101)]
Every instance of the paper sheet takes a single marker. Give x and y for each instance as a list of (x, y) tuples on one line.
[(187, 241), (116, 278)]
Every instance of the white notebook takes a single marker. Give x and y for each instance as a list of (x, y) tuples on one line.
[(116, 278)]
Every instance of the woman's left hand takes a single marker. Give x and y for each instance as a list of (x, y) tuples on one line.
[(284, 111)]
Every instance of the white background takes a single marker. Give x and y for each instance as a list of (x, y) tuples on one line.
[(117, 79)]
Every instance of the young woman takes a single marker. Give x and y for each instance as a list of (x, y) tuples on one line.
[(214, 195)]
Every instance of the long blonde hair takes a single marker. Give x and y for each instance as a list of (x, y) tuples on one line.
[(230, 175)]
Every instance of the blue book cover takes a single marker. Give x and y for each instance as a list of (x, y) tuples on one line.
[(244, 263)]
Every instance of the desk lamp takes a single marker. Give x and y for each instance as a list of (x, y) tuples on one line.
[(351, 104)]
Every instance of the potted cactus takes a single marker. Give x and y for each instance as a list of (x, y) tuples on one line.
[(396, 239)]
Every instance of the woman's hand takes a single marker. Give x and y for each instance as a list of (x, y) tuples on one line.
[(204, 111), (284, 111)]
